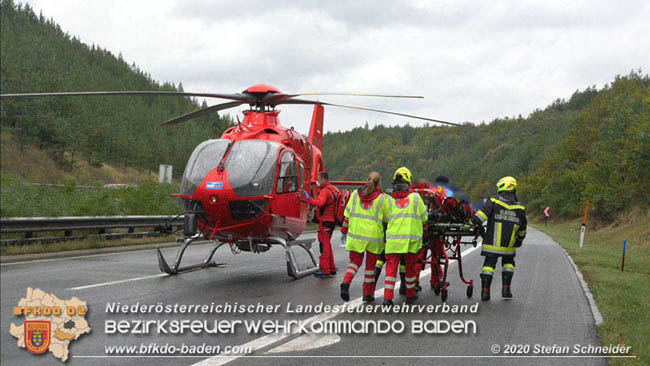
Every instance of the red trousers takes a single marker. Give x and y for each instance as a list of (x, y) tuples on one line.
[(326, 264), (392, 264), (356, 259), (436, 268)]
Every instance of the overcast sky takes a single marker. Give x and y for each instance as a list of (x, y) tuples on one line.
[(472, 61)]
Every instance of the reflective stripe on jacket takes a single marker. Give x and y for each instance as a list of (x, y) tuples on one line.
[(365, 224), (506, 223), (405, 218)]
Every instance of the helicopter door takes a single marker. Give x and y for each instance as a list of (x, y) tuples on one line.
[(302, 184), (287, 202)]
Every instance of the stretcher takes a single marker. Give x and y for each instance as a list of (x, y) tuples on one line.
[(447, 229)]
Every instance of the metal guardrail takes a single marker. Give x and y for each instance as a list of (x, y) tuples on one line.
[(68, 224)]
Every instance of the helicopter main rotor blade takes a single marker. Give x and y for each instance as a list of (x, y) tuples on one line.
[(238, 97), (303, 101), (201, 112), (276, 98)]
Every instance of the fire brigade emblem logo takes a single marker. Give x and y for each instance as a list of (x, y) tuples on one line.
[(367, 205), (37, 335), (402, 203), (50, 324)]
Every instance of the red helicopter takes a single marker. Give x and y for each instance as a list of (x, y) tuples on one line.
[(244, 188)]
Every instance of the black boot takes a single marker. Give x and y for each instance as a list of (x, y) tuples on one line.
[(486, 281), (402, 284), (506, 279), (411, 300), (345, 291), (387, 303)]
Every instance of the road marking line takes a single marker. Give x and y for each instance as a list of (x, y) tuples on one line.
[(598, 318), (62, 258), (116, 282), (262, 270), (203, 242), (307, 342), (270, 339), (197, 243)]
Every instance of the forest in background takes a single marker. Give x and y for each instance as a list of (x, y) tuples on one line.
[(36, 55), (595, 145)]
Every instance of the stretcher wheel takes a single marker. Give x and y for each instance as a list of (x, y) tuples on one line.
[(470, 291), (443, 295), (436, 288)]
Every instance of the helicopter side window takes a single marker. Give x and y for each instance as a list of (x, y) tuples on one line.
[(288, 177)]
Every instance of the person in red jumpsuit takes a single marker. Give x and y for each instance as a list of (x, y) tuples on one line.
[(326, 204)]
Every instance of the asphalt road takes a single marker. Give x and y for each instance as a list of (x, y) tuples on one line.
[(549, 308)]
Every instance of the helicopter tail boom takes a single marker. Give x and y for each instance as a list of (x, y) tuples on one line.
[(316, 129)]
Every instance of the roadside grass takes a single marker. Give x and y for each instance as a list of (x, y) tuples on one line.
[(623, 298), (22, 199)]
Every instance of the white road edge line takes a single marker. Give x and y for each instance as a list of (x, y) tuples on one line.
[(270, 339), (201, 242), (137, 279), (74, 257), (116, 282), (598, 318)]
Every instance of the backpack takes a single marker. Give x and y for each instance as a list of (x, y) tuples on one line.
[(341, 199)]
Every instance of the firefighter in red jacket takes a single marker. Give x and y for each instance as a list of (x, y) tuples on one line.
[(326, 205)]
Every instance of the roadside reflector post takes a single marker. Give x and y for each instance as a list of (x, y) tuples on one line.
[(584, 226), (165, 173), (623, 259), (547, 214)]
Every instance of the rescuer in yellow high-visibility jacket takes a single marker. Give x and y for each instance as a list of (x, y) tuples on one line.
[(363, 233), (406, 214), (506, 230)]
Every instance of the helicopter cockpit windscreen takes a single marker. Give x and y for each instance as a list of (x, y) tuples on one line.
[(205, 157), (251, 167)]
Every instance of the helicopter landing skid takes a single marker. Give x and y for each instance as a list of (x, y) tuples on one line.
[(292, 264), (176, 269)]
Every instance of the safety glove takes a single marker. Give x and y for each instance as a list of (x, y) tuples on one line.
[(478, 225)]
